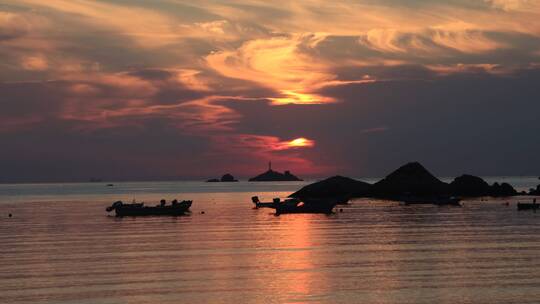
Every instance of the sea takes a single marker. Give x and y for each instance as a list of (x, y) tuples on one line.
[(61, 246)]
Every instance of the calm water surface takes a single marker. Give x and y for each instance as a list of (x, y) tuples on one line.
[(61, 247)]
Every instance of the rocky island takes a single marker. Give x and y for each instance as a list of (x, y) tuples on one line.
[(535, 191), (336, 186), (224, 179), (411, 180), (274, 176)]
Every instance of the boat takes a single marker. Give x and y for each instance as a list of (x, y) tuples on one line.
[(139, 209), (259, 204), (294, 205)]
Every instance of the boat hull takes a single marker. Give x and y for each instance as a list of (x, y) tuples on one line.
[(265, 205), (294, 205), (138, 210)]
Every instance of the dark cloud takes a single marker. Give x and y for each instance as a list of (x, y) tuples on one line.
[(153, 74)]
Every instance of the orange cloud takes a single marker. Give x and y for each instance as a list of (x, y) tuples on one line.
[(464, 40), (514, 5), (149, 28), (279, 63), (468, 68), (35, 63), (192, 80), (428, 42)]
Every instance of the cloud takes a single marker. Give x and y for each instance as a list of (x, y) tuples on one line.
[(514, 5), (466, 68), (275, 63), (279, 63), (35, 63), (147, 27), (12, 26)]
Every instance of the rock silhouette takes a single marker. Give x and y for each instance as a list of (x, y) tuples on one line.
[(270, 176), (474, 186), (334, 187), (535, 191), (274, 176), (228, 178), (469, 185), (225, 178), (503, 189), (410, 179)]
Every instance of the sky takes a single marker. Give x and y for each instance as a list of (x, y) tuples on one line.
[(165, 89)]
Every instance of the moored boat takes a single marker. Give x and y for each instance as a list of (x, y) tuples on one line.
[(259, 204), (294, 205), (139, 209)]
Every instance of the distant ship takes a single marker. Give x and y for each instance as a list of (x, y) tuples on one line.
[(274, 176)]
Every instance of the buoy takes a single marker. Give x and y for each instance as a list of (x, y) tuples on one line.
[(10, 215), (202, 212)]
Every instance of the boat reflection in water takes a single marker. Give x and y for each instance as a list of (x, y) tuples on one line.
[(294, 205), (421, 200), (139, 209), (528, 206)]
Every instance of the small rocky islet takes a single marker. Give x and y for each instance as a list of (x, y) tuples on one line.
[(226, 178), (275, 176)]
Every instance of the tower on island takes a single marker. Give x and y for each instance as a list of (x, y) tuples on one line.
[(272, 176)]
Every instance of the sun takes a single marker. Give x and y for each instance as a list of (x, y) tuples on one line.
[(301, 142), (293, 97)]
